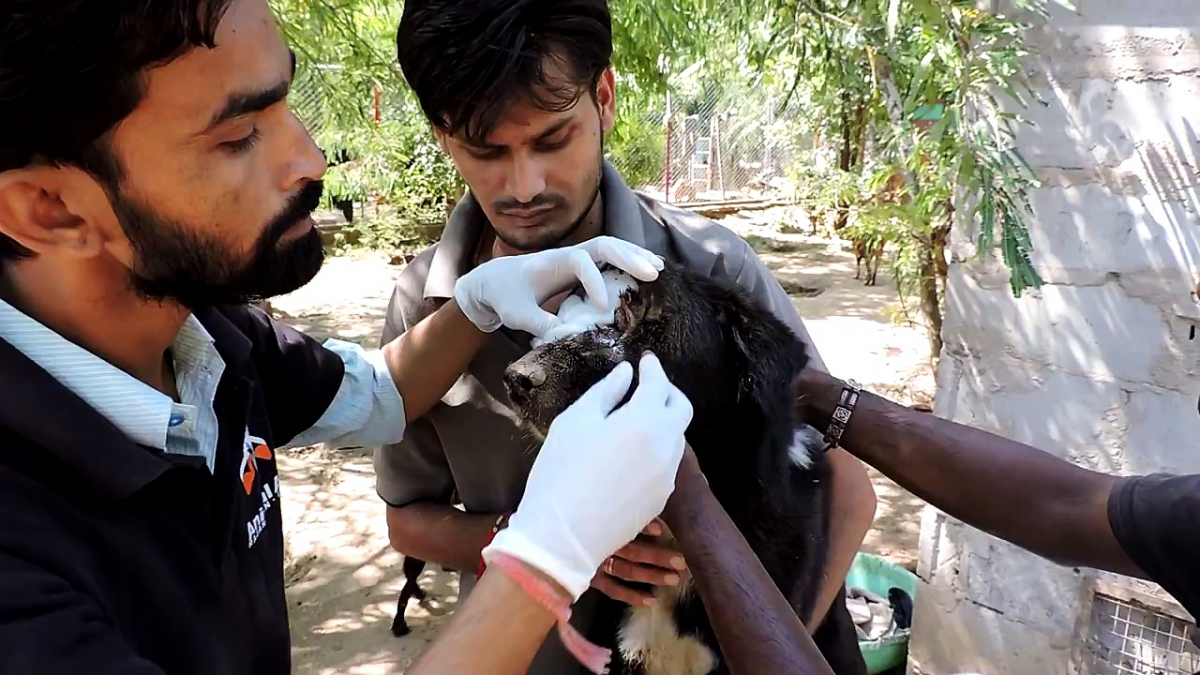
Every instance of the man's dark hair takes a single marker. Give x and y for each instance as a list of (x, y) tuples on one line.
[(71, 70), (469, 61)]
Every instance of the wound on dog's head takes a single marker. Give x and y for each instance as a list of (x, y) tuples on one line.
[(578, 314)]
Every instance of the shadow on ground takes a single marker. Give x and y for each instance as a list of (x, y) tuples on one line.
[(342, 575)]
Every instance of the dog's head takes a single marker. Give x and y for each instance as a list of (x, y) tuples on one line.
[(720, 349)]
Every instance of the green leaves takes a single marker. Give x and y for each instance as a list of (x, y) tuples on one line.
[(1001, 177), (345, 52), (933, 51), (854, 73), (987, 211)]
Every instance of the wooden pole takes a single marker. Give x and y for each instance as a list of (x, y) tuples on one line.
[(719, 154), (667, 180)]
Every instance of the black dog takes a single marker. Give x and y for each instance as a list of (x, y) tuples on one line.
[(736, 362)]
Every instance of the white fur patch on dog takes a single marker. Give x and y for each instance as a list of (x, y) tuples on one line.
[(805, 442), (649, 637), (580, 315)]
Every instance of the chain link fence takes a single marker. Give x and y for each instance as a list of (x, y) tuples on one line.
[(715, 146), (307, 100)]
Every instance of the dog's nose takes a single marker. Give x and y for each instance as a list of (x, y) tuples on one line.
[(522, 378)]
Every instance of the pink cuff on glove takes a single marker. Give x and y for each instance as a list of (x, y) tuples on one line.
[(593, 657)]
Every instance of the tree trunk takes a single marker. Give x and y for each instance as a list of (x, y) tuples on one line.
[(940, 235), (930, 306), (844, 160), (895, 108), (845, 154), (862, 143), (851, 154), (860, 132), (927, 289)]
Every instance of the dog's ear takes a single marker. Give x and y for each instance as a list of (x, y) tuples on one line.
[(647, 302), (770, 355), (654, 301)]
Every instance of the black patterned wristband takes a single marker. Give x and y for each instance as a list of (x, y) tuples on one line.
[(841, 414)]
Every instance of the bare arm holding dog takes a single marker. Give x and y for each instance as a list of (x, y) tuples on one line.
[(757, 627), (1008, 489), (449, 537), (439, 533), (851, 513), (426, 360), (498, 631), (512, 642)]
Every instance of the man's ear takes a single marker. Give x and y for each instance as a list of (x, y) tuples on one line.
[(441, 140), (606, 100), (53, 209)]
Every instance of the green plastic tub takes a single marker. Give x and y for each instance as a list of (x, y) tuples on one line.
[(878, 576)]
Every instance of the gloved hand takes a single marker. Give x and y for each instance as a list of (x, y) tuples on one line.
[(601, 476), (509, 291)]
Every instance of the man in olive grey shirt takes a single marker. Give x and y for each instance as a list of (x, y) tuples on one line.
[(529, 144)]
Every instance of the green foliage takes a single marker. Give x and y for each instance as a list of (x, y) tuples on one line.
[(977, 144), (895, 56), (345, 51), (396, 172), (346, 57), (857, 70), (823, 189), (906, 218), (637, 143), (399, 167)]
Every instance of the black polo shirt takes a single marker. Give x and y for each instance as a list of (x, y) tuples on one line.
[(1156, 519), (117, 558)]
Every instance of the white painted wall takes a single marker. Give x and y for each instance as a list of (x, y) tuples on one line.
[(1099, 366)]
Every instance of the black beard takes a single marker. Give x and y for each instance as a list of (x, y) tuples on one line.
[(176, 263)]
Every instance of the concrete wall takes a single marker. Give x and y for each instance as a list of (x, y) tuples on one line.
[(1100, 366)]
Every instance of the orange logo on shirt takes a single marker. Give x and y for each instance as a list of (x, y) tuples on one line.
[(255, 449)]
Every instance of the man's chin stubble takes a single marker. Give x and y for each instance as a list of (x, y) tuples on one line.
[(554, 238), (541, 243)]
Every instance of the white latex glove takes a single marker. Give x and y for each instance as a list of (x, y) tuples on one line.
[(509, 291), (602, 475)]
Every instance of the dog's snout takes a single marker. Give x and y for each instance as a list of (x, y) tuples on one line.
[(521, 378)]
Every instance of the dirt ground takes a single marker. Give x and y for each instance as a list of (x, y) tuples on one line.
[(343, 578)]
